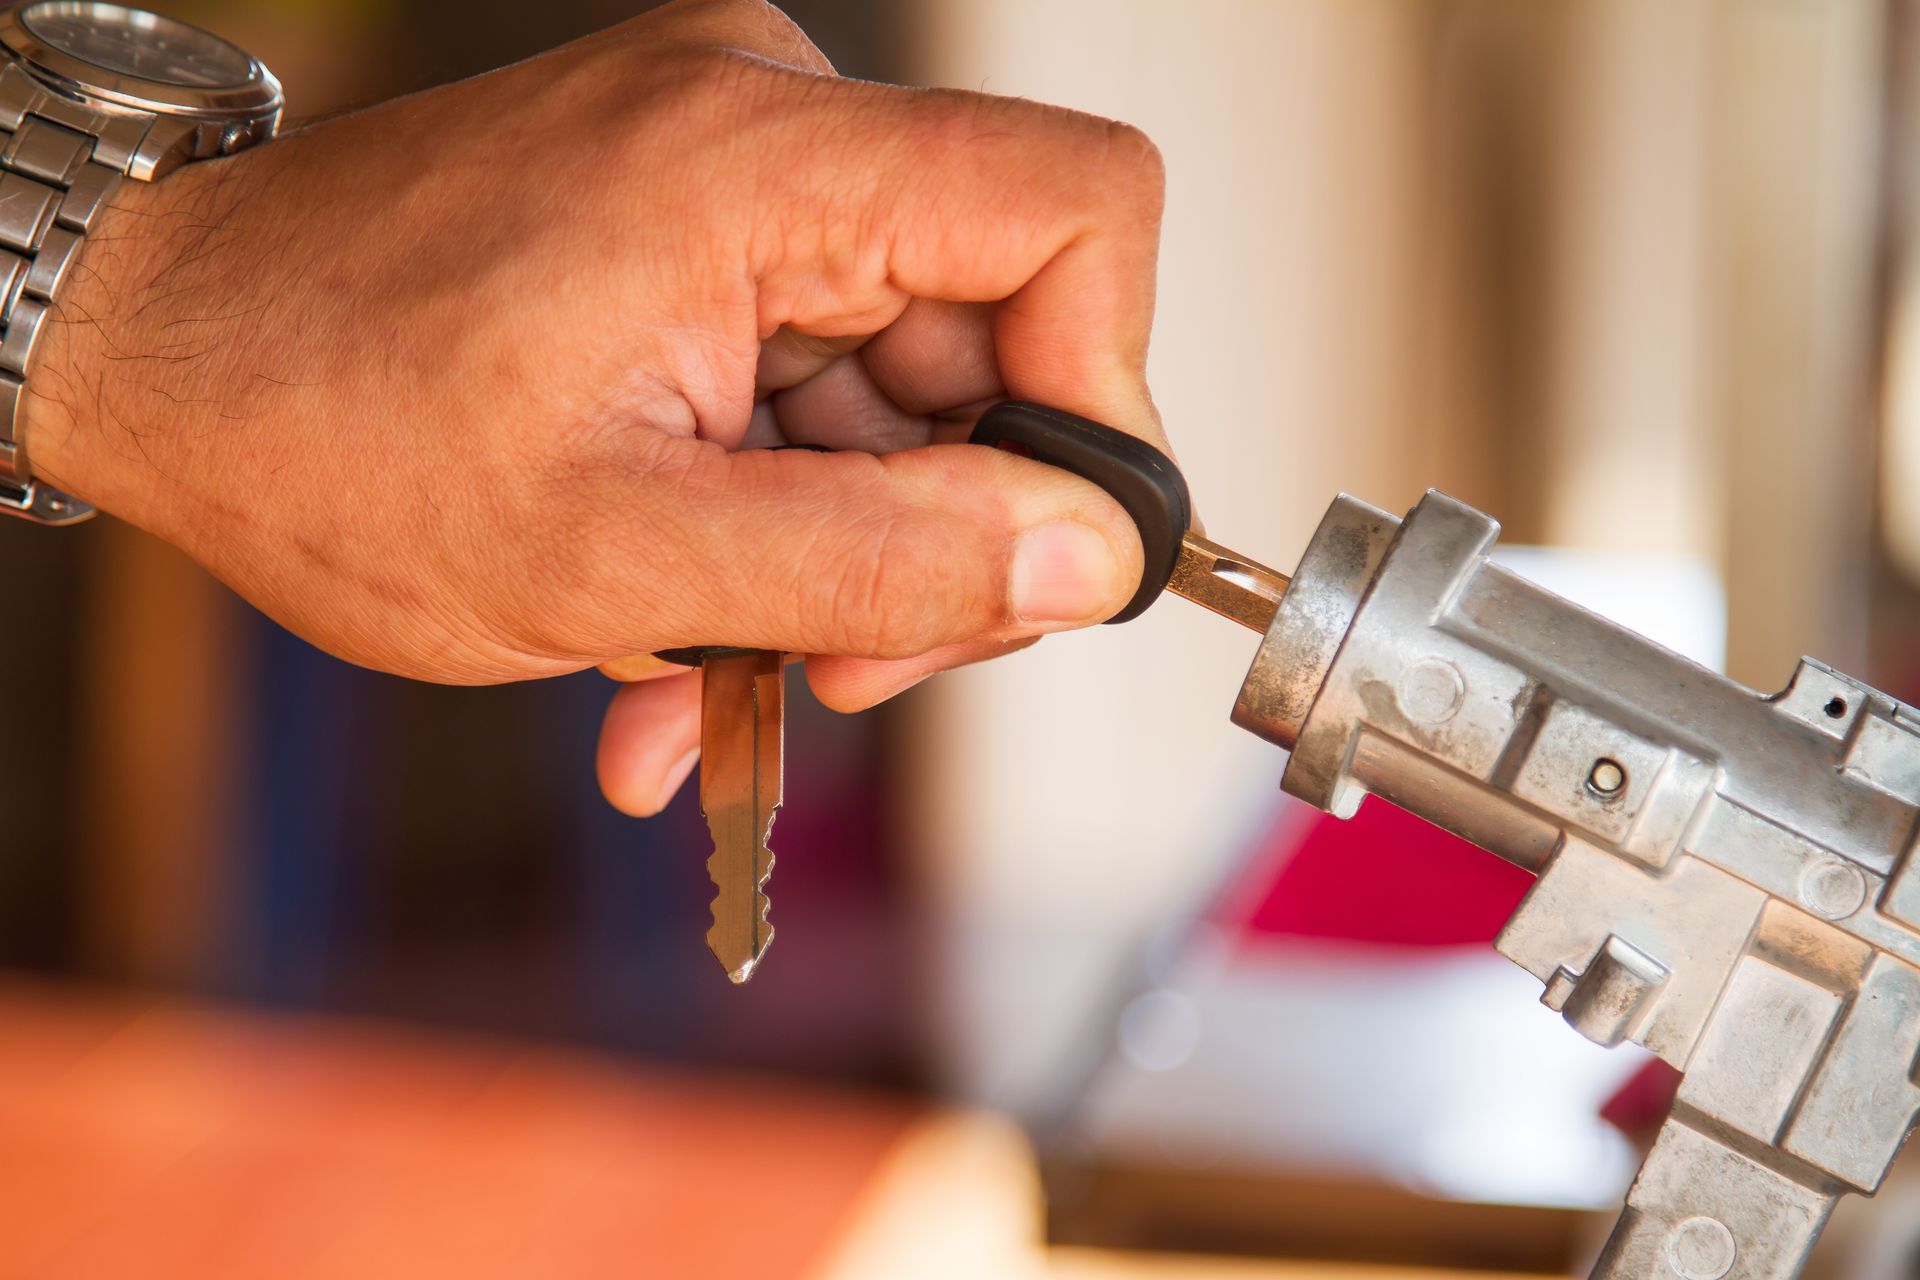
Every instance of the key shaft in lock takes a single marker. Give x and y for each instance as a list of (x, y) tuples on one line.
[(1228, 583)]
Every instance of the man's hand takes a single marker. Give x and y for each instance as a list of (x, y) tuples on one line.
[(458, 387)]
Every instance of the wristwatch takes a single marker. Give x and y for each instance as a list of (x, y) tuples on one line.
[(92, 94)]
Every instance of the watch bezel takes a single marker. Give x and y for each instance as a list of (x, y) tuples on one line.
[(77, 77)]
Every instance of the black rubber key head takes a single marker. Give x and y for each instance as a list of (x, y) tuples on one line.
[(1141, 479)]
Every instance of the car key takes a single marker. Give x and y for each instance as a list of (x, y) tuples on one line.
[(742, 733), (742, 698), (1150, 487)]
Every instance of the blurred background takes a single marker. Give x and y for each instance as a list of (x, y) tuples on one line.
[(310, 971)]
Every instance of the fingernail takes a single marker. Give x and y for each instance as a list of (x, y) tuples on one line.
[(675, 777), (640, 666), (1063, 572)]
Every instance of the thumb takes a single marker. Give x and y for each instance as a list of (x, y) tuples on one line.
[(889, 557)]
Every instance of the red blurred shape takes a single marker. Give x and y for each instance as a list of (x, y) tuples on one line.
[(1643, 1101), (1383, 876)]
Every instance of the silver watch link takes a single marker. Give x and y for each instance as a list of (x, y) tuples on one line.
[(92, 95)]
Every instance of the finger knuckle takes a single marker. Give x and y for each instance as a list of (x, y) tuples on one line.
[(1135, 156), (750, 32), (1055, 143), (894, 595), (715, 75), (727, 13), (786, 37)]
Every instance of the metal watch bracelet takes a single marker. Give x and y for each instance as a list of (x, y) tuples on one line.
[(60, 162)]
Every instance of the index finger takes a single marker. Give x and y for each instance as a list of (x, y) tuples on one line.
[(968, 198)]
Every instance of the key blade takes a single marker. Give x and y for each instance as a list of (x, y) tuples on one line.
[(1230, 584), (742, 707)]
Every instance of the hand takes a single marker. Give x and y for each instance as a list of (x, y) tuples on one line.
[(456, 387)]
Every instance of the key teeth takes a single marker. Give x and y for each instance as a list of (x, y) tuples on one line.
[(740, 968), (740, 975)]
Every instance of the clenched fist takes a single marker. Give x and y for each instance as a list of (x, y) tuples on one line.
[(480, 384)]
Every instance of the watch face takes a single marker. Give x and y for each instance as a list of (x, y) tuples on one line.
[(132, 42)]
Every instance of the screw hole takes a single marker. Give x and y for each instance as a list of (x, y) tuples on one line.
[(1836, 707), (1607, 778)]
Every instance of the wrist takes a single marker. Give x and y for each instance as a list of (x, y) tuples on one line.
[(84, 434)]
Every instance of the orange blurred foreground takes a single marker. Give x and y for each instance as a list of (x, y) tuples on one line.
[(161, 1139)]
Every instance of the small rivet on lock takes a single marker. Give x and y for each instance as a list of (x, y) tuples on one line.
[(1701, 1249), (1607, 779), (1833, 889), (1431, 691)]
